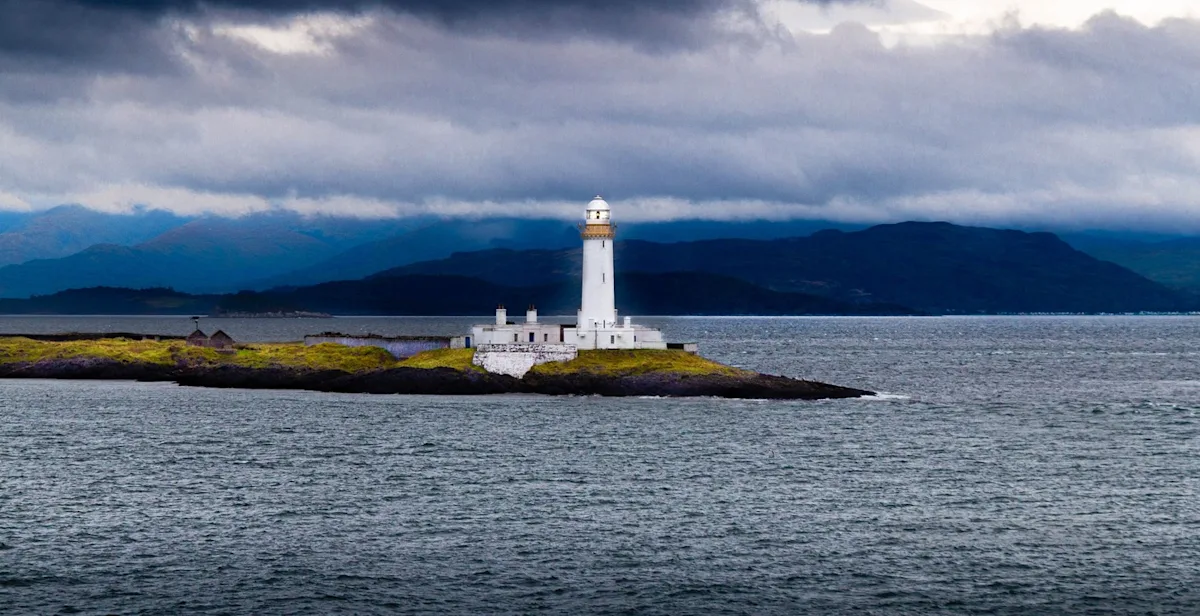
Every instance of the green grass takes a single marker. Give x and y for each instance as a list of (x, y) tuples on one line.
[(327, 356), (175, 352), (348, 359), (147, 351), (458, 359), (635, 362)]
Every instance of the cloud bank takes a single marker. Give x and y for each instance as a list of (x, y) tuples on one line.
[(704, 108)]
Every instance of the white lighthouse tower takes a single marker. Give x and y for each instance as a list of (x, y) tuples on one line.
[(597, 326), (598, 309)]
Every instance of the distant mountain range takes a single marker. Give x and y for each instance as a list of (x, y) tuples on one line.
[(71, 247), (203, 255), (934, 268), (930, 267), (434, 241), (1173, 262), (66, 230), (685, 293), (441, 239)]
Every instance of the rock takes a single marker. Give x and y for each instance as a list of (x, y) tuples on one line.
[(434, 381), (91, 368), (241, 377), (437, 381), (752, 385)]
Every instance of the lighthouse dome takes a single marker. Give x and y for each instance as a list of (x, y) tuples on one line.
[(598, 211)]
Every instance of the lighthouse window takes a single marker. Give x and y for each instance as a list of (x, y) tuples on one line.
[(515, 339), (603, 243), (602, 278)]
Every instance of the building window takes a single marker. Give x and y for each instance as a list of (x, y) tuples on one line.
[(545, 337), (531, 337), (612, 339), (603, 277), (515, 338), (635, 338), (603, 243)]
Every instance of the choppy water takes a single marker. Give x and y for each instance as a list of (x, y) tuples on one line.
[(1019, 465)]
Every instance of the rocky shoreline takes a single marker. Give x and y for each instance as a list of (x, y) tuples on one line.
[(435, 381)]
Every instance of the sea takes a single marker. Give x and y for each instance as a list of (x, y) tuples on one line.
[(1008, 465)]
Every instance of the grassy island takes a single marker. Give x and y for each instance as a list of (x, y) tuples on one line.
[(336, 368), (176, 353)]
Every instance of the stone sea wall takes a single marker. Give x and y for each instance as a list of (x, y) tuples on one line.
[(400, 348), (516, 359)]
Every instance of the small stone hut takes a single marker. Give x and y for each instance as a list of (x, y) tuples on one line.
[(221, 341)]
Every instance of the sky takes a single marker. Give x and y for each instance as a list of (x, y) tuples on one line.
[(1060, 114)]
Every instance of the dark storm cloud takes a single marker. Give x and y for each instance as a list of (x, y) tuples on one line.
[(396, 112), (443, 9), (44, 35), (128, 34), (446, 10)]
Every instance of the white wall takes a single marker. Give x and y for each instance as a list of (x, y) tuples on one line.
[(517, 359), (543, 333), (400, 348), (633, 337)]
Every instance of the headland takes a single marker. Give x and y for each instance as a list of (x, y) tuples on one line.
[(338, 368)]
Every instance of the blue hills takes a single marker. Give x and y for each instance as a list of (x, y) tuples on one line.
[(261, 251), (426, 266), (937, 268), (68, 229), (1174, 262)]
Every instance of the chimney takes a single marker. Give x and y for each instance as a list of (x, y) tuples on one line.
[(531, 314), (628, 321), (501, 315)]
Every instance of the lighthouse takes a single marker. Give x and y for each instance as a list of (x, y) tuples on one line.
[(598, 309), (597, 325), (512, 348)]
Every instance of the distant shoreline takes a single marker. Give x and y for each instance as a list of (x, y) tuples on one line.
[(291, 314)]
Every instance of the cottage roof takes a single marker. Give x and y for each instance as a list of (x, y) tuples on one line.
[(221, 336), (196, 335)]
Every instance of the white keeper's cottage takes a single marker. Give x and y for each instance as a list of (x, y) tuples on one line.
[(513, 348)]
